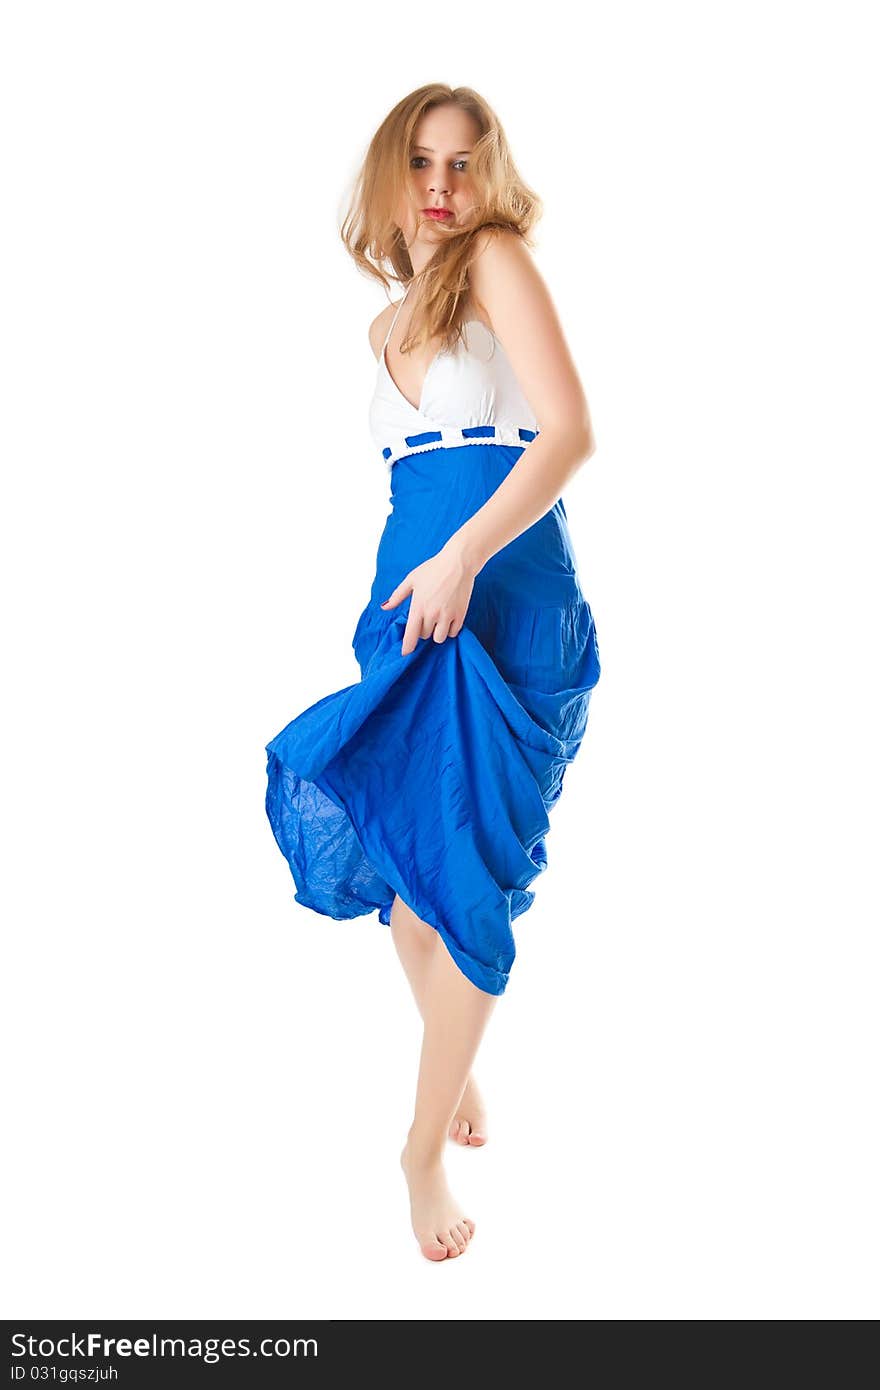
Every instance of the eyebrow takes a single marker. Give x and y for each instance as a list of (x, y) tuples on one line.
[(428, 150)]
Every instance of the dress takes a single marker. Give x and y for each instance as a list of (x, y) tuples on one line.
[(432, 776)]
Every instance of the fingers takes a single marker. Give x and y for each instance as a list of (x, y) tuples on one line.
[(411, 633), (398, 595), (417, 627)]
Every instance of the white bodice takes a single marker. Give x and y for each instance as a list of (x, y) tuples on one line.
[(472, 385)]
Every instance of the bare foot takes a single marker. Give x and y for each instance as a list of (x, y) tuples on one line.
[(469, 1121), (440, 1227)]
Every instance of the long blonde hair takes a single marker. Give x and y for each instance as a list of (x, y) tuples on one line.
[(376, 243)]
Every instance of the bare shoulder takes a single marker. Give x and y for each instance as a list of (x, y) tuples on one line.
[(500, 253), (502, 266), (379, 327)]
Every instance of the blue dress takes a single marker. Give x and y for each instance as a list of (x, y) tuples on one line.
[(432, 776)]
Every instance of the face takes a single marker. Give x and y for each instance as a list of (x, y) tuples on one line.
[(439, 163)]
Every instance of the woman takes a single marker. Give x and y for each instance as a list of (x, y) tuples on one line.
[(423, 791)]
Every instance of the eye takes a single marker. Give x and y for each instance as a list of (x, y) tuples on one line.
[(418, 161)]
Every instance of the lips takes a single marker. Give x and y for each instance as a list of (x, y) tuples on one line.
[(439, 214)]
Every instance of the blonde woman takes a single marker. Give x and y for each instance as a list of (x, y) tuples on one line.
[(423, 791)]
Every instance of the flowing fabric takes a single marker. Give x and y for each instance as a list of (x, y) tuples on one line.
[(432, 777)]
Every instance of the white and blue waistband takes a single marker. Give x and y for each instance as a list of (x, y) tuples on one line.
[(454, 436)]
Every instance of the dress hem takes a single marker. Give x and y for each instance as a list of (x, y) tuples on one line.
[(482, 976)]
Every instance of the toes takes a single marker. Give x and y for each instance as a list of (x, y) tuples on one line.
[(463, 1231), (434, 1249), (470, 1225), (453, 1242), (463, 1132), (461, 1236), (460, 1131)]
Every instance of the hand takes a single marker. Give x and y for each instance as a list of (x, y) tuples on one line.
[(441, 589)]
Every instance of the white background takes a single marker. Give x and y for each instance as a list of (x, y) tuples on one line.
[(208, 1085)]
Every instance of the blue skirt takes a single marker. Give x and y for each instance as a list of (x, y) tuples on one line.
[(432, 777)]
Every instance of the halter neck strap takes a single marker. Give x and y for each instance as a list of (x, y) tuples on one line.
[(394, 318)]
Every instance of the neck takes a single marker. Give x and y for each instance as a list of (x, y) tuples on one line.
[(420, 255)]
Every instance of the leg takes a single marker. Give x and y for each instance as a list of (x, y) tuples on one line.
[(456, 1014), (414, 941)]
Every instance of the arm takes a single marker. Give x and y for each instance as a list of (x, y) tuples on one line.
[(505, 280)]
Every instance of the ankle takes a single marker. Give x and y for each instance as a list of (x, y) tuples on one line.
[(424, 1150)]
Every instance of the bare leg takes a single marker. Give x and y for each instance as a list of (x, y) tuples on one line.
[(414, 941), (455, 1014)]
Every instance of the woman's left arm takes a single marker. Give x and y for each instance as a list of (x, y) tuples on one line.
[(505, 280)]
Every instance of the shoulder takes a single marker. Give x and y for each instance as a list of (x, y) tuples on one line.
[(498, 247), (379, 327), (502, 262), (501, 268)]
